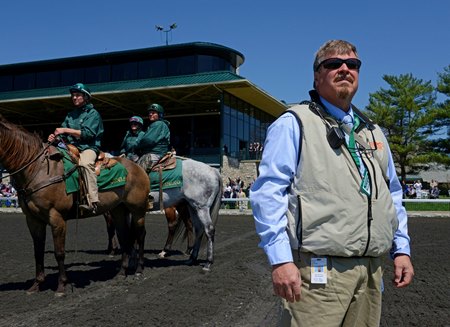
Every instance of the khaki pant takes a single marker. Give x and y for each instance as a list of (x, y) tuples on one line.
[(351, 297), (87, 161)]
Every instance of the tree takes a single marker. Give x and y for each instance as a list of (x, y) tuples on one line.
[(443, 123), (408, 114)]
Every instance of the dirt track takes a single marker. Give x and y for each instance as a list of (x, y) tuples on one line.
[(237, 292)]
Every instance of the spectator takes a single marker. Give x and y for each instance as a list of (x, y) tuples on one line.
[(242, 203), (418, 188), (434, 193)]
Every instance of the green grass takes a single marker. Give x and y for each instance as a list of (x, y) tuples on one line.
[(427, 206)]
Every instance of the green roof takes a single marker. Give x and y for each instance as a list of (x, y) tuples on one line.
[(141, 84)]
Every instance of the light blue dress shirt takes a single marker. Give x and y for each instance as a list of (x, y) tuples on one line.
[(268, 194)]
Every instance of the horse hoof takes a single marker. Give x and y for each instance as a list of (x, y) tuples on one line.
[(34, 288), (59, 294), (207, 267), (162, 254)]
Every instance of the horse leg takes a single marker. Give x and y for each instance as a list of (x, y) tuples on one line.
[(113, 242), (189, 232), (120, 218), (203, 219), (139, 226), (172, 222), (59, 243), (37, 230)]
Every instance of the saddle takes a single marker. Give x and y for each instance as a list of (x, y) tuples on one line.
[(102, 160), (166, 162)]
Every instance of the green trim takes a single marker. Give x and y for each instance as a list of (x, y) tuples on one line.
[(133, 85)]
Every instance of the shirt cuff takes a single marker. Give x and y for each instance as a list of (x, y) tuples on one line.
[(279, 253)]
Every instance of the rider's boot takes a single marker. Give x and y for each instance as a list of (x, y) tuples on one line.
[(150, 202)]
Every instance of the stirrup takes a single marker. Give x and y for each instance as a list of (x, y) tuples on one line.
[(89, 208)]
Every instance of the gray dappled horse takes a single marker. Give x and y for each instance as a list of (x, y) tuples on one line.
[(41, 187), (202, 193)]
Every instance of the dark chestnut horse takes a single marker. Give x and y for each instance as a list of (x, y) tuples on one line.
[(40, 182), (174, 216)]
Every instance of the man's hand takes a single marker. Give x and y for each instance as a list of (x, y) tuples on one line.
[(403, 271), (287, 281)]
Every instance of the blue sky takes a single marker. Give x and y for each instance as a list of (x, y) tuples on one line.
[(278, 38)]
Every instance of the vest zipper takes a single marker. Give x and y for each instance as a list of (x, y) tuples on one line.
[(373, 184), (369, 222)]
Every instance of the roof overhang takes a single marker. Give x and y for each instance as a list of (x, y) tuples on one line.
[(119, 100)]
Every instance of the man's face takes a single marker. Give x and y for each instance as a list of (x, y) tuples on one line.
[(337, 85), (153, 115), (78, 99), (135, 126)]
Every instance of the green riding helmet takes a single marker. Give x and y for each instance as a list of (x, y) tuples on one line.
[(80, 88), (156, 107), (136, 119)]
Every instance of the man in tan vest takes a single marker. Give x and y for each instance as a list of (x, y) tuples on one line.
[(328, 203)]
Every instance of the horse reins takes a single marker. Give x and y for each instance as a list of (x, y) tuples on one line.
[(28, 164)]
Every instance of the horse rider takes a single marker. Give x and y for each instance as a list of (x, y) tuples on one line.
[(83, 128), (127, 148), (154, 143)]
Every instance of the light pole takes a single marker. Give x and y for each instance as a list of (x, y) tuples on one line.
[(159, 28)]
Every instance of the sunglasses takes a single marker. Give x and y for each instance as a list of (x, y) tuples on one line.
[(335, 63)]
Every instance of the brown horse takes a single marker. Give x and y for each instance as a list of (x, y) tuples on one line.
[(174, 217), (40, 182)]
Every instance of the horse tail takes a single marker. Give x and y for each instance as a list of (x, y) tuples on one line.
[(214, 210)]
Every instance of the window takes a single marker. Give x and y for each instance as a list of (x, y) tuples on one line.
[(6, 83), (125, 71), (181, 66), (210, 63), (47, 79), (24, 81), (71, 76), (152, 68), (97, 74)]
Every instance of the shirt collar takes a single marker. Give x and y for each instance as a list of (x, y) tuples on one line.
[(336, 112)]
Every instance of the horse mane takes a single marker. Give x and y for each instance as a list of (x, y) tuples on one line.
[(17, 145)]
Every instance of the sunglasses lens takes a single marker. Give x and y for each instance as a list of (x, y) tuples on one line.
[(353, 64), (335, 63)]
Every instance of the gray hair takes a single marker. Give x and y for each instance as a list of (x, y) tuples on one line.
[(333, 47)]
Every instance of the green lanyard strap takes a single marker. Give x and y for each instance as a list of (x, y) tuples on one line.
[(352, 144)]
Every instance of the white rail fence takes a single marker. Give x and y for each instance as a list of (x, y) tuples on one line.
[(233, 203)]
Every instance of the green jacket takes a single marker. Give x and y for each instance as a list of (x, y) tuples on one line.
[(155, 140), (89, 121), (129, 143)]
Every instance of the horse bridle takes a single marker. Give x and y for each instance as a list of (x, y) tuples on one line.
[(28, 164)]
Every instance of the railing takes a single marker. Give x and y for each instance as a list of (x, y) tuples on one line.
[(240, 204), (243, 203), (411, 204)]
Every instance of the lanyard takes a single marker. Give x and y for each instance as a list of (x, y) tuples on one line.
[(351, 142), (365, 182)]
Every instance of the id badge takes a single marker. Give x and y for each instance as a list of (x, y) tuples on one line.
[(365, 184), (318, 270)]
